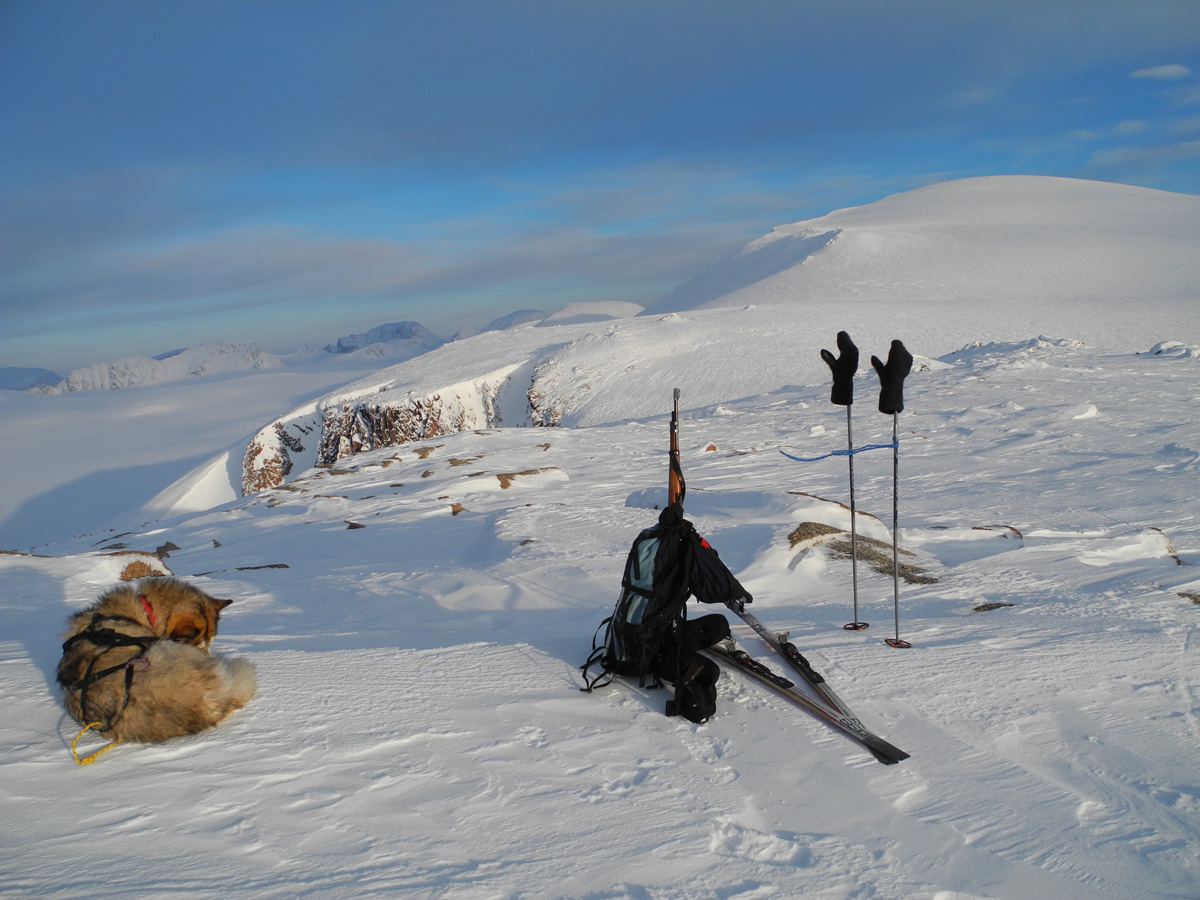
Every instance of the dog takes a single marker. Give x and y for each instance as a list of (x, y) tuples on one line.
[(136, 664)]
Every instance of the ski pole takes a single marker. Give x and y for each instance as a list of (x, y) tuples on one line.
[(891, 400), (843, 368), (855, 625), (896, 641)]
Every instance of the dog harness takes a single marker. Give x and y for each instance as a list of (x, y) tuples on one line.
[(106, 639)]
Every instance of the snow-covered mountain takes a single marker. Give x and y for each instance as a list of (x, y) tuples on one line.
[(133, 371), (503, 323), (595, 311), (25, 378), (978, 255), (417, 610), (379, 346), (1061, 246), (515, 320), (403, 338)]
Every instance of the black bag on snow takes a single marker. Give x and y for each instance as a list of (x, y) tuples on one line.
[(648, 634)]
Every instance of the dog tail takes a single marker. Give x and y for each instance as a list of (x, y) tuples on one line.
[(243, 681), (239, 684)]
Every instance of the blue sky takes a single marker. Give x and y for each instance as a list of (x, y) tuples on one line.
[(288, 172)]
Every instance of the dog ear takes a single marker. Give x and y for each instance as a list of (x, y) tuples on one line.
[(219, 604)]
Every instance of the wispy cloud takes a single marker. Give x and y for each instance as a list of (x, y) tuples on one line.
[(1129, 127), (164, 161), (1173, 72), (1144, 158)]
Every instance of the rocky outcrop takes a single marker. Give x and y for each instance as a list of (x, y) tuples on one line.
[(366, 418), (355, 428), (268, 458)]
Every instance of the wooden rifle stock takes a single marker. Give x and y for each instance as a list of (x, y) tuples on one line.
[(675, 485)]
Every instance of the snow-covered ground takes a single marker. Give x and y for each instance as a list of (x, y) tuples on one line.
[(417, 615)]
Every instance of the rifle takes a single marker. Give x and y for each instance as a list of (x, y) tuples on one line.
[(676, 487)]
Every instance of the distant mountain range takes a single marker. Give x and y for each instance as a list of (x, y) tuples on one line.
[(383, 345), (132, 371), (1065, 252)]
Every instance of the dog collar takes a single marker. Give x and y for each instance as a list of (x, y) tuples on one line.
[(146, 606)]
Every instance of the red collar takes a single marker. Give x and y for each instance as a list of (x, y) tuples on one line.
[(146, 606)]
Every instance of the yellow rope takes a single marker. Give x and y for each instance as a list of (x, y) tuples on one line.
[(90, 757)]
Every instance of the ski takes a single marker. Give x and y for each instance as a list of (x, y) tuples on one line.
[(780, 644), (847, 724)]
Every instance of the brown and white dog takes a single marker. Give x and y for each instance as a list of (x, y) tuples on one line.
[(136, 664)]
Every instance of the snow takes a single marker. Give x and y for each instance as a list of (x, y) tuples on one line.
[(595, 311), (23, 378), (197, 362), (417, 615), (1065, 252), (412, 337)]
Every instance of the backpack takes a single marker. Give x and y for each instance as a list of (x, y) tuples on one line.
[(648, 634)]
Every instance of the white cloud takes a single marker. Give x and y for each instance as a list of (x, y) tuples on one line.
[(1129, 126), (1172, 72), (1146, 158)]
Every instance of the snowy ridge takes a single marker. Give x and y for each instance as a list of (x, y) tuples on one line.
[(1087, 247), (134, 371), (581, 375), (595, 311)]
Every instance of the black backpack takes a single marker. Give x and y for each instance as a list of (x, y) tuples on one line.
[(649, 635)]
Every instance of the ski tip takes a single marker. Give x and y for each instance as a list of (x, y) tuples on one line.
[(886, 753)]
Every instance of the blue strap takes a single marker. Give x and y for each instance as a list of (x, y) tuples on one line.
[(846, 452)]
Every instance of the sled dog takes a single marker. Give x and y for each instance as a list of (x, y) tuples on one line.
[(136, 664)]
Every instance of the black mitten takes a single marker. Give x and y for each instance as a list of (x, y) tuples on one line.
[(696, 691), (891, 378), (843, 369), (702, 633)]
